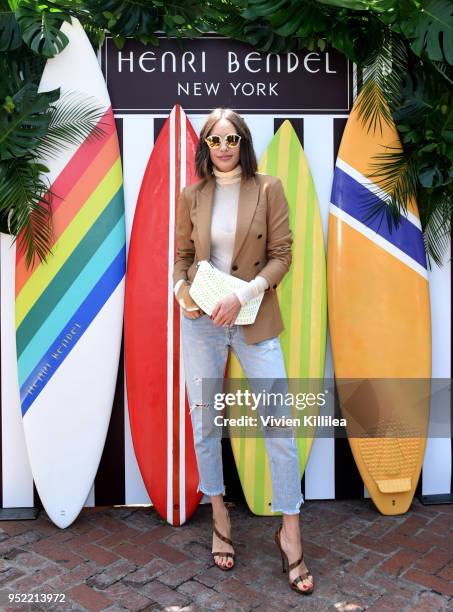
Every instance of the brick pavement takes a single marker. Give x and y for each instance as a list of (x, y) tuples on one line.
[(128, 559)]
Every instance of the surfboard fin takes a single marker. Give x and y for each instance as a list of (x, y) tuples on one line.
[(394, 485)]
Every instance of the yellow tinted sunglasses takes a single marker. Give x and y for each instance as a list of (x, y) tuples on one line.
[(214, 141)]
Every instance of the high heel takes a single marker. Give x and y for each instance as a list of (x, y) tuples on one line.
[(287, 567), (223, 553)]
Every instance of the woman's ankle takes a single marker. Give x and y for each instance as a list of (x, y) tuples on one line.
[(219, 508), (291, 536), (220, 513)]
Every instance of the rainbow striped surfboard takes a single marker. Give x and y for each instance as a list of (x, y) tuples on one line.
[(69, 310), (380, 323)]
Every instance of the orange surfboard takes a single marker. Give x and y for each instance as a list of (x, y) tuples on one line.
[(379, 318)]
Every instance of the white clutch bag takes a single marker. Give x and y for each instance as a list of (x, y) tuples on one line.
[(211, 285)]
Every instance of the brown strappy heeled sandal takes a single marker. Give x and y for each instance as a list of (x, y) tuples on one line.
[(222, 554), (290, 566)]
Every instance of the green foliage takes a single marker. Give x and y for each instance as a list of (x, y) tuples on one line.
[(17, 67), (25, 121), (25, 206), (425, 123), (382, 84), (429, 27), (426, 24), (137, 18), (40, 27), (10, 37), (141, 18)]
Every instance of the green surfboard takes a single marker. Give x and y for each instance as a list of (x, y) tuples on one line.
[(303, 302)]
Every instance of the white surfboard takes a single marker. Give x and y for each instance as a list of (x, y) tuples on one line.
[(69, 311)]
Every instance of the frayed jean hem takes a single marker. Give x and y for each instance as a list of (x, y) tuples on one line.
[(210, 493), (297, 511)]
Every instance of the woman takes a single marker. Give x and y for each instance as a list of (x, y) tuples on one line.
[(238, 219)]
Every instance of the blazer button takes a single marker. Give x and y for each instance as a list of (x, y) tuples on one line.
[(256, 263), (234, 268), (259, 235)]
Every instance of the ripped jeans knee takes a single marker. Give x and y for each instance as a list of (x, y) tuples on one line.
[(203, 421), (199, 405), (198, 380)]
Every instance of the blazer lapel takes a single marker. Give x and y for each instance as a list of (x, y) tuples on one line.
[(248, 199), (205, 199)]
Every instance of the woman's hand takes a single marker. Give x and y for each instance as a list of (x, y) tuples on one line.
[(226, 310), (188, 305), (191, 314)]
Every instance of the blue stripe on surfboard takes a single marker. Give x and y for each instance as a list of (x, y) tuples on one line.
[(71, 300), (75, 328), (359, 202)]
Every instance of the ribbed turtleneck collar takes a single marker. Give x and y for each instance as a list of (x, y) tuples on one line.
[(232, 176)]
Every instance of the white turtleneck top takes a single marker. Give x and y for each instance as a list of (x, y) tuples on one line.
[(223, 231)]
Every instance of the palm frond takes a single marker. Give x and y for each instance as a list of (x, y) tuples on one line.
[(381, 90), (74, 119), (438, 212), (26, 197), (393, 182), (444, 70), (395, 174)]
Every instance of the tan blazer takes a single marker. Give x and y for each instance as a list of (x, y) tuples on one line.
[(262, 244)]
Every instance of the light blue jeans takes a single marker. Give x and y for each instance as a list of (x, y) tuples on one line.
[(205, 350)]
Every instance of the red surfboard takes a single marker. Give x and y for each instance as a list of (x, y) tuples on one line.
[(158, 405)]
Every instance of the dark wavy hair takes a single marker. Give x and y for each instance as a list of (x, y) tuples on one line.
[(247, 158)]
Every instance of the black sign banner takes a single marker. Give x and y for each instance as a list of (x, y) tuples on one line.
[(210, 71)]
